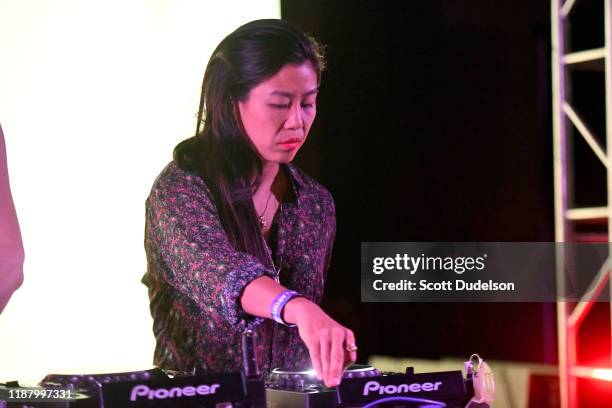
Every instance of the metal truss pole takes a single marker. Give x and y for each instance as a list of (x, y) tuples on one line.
[(569, 318), (608, 74), (560, 187)]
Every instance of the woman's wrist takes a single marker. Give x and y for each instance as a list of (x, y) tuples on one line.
[(278, 305), (296, 308)]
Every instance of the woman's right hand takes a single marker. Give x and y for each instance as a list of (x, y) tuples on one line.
[(328, 342)]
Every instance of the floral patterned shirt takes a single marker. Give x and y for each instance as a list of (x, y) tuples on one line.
[(195, 277)]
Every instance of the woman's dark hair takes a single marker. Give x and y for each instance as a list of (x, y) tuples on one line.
[(220, 151)]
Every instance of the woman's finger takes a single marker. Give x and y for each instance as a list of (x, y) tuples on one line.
[(337, 355), (325, 347), (315, 356), (349, 345)]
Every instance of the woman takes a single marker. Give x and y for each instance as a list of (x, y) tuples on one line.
[(11, 247), (236, 236)]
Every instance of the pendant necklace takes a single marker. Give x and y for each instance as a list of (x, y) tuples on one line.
[(269, 251), (261, 219)]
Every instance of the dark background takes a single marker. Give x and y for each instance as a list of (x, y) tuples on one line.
[(434, 124)]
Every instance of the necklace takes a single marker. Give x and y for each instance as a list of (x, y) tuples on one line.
[(269, 253), (262, 220)]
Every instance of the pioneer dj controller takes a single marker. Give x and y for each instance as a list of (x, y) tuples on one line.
[(362, 386)]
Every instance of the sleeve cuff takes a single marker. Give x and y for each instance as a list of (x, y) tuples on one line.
[(237, 280)]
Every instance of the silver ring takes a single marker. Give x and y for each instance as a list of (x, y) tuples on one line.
[(351, 347)]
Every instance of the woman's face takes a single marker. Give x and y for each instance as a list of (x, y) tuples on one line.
[(277, 113)]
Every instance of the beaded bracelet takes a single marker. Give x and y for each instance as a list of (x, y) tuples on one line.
[(278, 304)]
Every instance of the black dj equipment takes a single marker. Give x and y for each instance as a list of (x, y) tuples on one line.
[(365, 386), (150, 388), (362, 386)]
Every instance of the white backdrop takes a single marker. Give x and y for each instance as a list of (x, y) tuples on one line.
[(94, 95)]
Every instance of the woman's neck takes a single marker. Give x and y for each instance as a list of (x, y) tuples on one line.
[(268, 174), (269, 193)]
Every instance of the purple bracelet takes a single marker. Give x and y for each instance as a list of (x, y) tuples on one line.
[(278, 304)]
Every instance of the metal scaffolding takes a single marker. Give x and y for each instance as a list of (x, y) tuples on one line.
[(570, 315)]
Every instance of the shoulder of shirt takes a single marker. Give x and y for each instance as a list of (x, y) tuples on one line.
[(173, 178), (309, 187)]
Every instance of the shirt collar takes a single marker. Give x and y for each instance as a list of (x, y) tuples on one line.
[(294, 180)]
